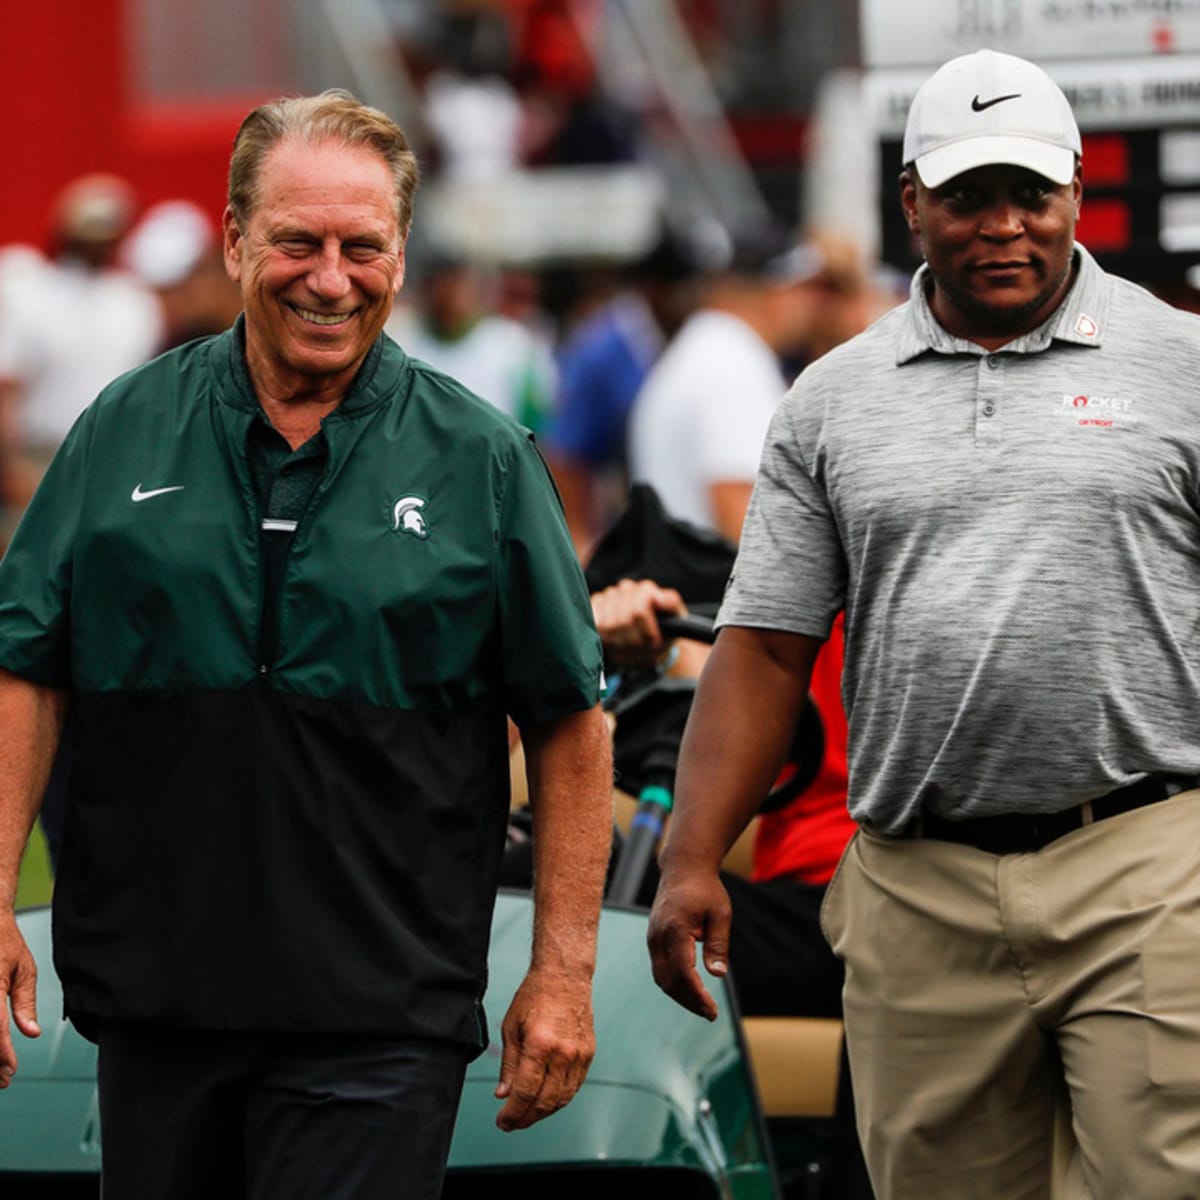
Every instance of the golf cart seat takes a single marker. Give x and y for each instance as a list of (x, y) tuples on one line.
[(796, 1062)]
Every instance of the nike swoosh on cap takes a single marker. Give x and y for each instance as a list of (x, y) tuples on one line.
[(137, 495), (978, 105)]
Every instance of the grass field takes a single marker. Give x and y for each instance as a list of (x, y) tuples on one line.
[(33, 887)]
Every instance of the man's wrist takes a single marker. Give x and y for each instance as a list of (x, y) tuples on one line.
[(692, 861), (555, 966)]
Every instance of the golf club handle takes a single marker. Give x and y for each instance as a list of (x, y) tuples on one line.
[(637, 850), (698, 629)]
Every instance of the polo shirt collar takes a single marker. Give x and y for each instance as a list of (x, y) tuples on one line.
[(1081, 318)]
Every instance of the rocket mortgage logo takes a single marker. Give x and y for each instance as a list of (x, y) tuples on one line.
[(1098, 412)]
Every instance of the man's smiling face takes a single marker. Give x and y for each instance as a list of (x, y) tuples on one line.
[(319, 262)]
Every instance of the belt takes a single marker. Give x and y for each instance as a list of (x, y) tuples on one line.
[(1016, 832)]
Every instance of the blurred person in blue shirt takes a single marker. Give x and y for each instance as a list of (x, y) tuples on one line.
[(603, 361)]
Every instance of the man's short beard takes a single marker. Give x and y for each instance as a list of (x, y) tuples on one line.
[(1003, 320)]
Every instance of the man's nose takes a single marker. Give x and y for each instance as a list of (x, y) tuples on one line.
[(328, 278), (1002, 221)]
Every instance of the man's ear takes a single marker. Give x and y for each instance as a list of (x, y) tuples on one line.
[(231, 244), (908, 199), (1077, 186)]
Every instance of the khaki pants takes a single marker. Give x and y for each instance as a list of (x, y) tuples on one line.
[(977, 985)]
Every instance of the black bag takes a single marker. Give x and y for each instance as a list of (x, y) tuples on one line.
[(646, 543)]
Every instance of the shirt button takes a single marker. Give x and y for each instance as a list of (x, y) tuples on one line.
[(989, 410), (993, 361)]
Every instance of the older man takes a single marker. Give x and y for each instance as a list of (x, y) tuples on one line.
[(291, 584), (999, 483)]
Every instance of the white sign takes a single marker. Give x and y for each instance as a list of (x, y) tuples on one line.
[(531, 217), (1115, 93), (914, 33)]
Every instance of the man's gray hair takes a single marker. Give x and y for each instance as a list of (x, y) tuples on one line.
[(334, 115)]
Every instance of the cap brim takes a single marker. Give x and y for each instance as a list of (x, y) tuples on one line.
[(1056, 163)]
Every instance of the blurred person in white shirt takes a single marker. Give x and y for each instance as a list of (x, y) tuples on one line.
[(698, 424), (68, 326), (452, 326)]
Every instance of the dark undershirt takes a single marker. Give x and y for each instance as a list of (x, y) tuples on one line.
[(284, 482)]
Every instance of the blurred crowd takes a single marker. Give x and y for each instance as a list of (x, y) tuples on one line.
[(113, 287), (506, 83), (663, 370), (616, 364)]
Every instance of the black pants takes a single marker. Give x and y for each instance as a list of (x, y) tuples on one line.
[(782, 965), (195, 1116)]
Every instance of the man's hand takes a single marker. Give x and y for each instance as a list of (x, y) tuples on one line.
[(18, 987), (626, 616), (690, 907), (31, 716), (549, 1043)]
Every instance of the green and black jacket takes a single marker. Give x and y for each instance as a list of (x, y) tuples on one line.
[(288, 804)]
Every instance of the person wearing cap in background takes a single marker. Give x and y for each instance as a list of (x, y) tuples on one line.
[(452, 325), (698, 422), (68, 329), (998, 481), (174, 249)]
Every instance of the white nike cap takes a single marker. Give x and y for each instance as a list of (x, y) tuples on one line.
[(986, 108)]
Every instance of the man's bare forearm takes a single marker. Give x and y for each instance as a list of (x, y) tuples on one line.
[(569, 764), (548, 1035), (31, 718)]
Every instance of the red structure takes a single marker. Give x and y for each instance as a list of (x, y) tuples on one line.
[(72, 107)]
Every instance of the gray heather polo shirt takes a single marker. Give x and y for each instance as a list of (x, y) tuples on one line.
[(1015, 537)]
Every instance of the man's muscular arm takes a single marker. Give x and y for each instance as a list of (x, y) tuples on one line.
[(741, 725), (31, 719)]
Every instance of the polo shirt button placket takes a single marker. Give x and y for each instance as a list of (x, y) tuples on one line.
[(989, 389)]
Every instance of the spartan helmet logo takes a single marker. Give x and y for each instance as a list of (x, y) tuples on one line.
[(408, 518)]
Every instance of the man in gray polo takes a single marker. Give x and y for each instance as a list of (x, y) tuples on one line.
[(1000, 483)]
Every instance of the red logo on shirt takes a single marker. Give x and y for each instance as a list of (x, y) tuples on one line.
[(1103, 412)]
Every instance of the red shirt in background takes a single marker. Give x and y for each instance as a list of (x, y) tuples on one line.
[(806, 839)]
